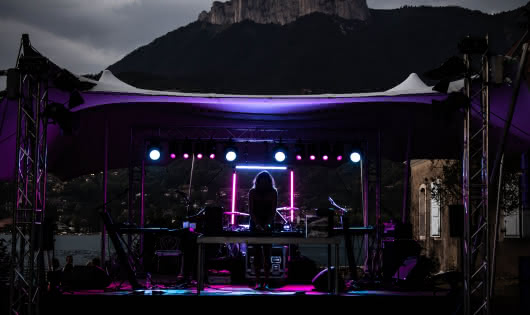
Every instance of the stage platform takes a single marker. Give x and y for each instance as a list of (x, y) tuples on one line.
[(296, 297)]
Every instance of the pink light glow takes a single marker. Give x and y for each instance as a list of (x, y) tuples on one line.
[(339, 158), (299, 157), (233, 198), (199, 156), (173, 155), (186, 156), (312, 157), (212, 156), (292, 196), (325, 157)]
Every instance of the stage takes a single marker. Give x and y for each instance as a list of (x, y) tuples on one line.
[(218, 297)]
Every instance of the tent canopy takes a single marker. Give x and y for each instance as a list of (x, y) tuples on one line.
[(410, 107)]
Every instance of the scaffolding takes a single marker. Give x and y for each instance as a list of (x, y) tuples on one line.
[(475, 184), (27, 263)]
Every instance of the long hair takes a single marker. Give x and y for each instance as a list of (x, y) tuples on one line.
[(263, 182)]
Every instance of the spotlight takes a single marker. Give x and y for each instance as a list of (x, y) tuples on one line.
[(199, 156), (339, 158), (298, 157), (231, 156), (231, 151), (153, 150), (325, 157), (280, 152), (186, 149), (355, 157), (279, 156), (173, 156), (312, 157), (212, 156)]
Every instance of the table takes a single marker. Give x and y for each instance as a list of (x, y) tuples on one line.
[(334, 240)]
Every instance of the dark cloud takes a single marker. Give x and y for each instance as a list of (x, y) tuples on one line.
[(86, 36)]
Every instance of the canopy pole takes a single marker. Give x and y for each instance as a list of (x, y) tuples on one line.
[(105, 174), (364, 185)]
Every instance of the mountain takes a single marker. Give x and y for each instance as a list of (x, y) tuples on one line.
[(317, 53), (282, 11)]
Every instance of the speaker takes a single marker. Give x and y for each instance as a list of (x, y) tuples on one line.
[(320, 281), (456, 220)]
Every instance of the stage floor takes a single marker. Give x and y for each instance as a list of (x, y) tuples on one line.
[(242, 290)]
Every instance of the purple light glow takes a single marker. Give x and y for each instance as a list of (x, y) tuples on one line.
[(292, 196), (212, 156), (339, 158), (173, 156), (299, 157), (312, 157), (325, 157), (186, 156), (199, 156), (233, 217)]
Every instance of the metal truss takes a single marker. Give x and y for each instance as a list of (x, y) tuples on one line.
[(475, 192), (27, 263)]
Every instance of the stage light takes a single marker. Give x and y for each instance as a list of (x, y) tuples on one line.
[(355, 157), (299, 150), (312, 152), (279, 156), (280, 152), (186, 149), (154, 150), (325, 151), (154, 154), (231, 156), (231, 151), (199, 150), (338, 151), (261, 167), (211, 149), (173, 149)]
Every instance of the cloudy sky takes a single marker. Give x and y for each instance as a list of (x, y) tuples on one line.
[(86, 36)]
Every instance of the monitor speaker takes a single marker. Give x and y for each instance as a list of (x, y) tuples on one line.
[(320, 281)]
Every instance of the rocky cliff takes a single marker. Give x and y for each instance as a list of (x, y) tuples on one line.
[(282, 11)]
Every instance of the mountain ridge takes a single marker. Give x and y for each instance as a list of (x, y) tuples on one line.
[(317, 53)]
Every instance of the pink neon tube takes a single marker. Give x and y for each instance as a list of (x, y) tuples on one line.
[(233, 197), (292, 196)]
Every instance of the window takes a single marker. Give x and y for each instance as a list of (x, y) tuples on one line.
[(422, 208), (435, 211), (511, 205)]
